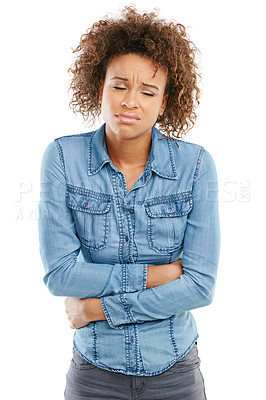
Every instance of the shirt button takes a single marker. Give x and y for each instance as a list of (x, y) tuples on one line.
[(170, 210), (126, 238), (132, 340), (85, 205)]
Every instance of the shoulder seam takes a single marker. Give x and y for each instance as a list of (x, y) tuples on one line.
[(76, 135), (196, 172), (61, 154), (185, 141)]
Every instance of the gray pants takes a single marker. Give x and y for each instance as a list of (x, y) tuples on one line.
[(183, 381)]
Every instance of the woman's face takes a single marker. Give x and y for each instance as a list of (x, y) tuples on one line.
[(132, 96)]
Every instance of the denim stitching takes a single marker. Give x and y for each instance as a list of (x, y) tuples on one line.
[(94, 247), (171, 332), (162, 174), (169, 142), (160, 250), (90, 170), (90, 193), (84, 134), (151, 243), (89, 152), (144, 277), (106, 312), (144, 372), (124, 278), (86, 210), (134, 254), (120, 220), (141, 366), (128, 312), (89, 254), (106, 232), (137, 348), (130, 234), (95, 354), (202, 150), (127, 347), (183, 196), (61, 154), (104, 198), (156, 214), (105, 216)]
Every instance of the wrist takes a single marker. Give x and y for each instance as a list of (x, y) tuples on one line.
[(94, 310), (155, 276)]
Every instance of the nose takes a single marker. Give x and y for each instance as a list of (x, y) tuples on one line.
[(130, 100)]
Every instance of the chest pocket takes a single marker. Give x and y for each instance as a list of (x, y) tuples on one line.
[(91, 215), (167, 218)]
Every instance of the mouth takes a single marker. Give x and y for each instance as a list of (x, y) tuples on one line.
[(127, 118)]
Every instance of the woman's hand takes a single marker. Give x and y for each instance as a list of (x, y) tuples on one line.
[(76, 312), (160, 274), (81, 312)]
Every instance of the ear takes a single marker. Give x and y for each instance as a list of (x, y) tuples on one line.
[(101, 91), (163, 106)]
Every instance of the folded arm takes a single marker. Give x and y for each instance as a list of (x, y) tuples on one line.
[(195, 288), (81, 312)]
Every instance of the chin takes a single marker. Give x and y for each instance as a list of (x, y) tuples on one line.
[(127, 132)]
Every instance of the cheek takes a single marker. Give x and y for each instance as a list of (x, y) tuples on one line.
[(106, 104), (110, 100), (153, 110)]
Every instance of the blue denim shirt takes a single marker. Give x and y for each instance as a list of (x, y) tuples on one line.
[(96, 240)]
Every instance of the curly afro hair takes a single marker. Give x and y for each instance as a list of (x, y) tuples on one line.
[(165, 43)]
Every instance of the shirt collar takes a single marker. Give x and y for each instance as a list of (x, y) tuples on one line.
[(98, 155), (162, 155), (161, 159)]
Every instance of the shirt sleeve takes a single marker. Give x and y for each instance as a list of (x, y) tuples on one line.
[(59, 244), (201, 248)]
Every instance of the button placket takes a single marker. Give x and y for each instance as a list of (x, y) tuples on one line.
[(132, 348)]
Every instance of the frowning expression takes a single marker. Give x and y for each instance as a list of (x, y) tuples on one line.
[(132, 96)]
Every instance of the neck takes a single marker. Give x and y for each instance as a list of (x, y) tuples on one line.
[(126, 153)]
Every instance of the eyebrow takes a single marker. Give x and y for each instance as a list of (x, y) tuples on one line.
[(144, 84)]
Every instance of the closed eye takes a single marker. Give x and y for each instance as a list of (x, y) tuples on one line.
[(148, 94), (119, 88), (123, 88)]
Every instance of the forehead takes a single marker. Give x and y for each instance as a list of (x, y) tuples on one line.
[(133, 65)]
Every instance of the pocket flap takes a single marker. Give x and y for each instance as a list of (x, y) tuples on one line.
[(169, 206), (88, 201)]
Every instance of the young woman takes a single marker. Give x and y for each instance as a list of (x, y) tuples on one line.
[(129, 224)]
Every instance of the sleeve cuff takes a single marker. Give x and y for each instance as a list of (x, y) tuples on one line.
[(117, 311), (134, 277)]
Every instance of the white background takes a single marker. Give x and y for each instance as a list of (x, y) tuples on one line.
[(36, 42)]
